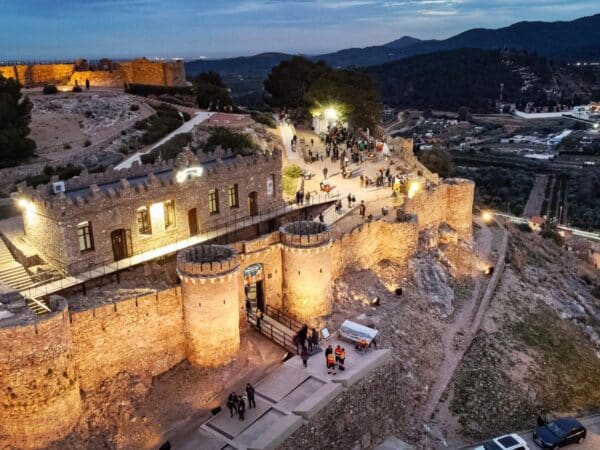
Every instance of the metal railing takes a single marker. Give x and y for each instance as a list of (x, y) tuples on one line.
[(208, 232), (275, 334), (284, 319)]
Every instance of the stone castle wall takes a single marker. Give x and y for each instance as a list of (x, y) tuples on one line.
[(450, 202), (137, 71), (141, 335), (39, 389)]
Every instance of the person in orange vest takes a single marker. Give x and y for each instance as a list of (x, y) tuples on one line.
[(342, 359), (330, 363), (338, 352)]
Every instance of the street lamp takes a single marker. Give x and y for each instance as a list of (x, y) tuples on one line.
[(331, 114), (487, 216)]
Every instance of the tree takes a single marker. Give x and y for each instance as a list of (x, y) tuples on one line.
[(352, 94), (438, 160), (464, 115), (211, 92), (15, 116), (288, 82)]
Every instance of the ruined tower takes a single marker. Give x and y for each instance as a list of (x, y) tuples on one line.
[(209, 288)]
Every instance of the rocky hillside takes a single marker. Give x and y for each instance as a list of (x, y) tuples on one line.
[(539, 347)]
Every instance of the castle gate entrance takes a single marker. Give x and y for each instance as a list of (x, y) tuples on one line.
[(254, 287), (253, 203), (121, 242), (193, 221)]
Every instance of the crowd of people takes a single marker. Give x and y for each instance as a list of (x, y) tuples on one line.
[(237, 403)]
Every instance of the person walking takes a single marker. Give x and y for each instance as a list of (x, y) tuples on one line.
[(325, 170), (307, 197), (250, 393), (304, 356), (353, 199), (349, 200), (241, 408), (315, 337), (362, 181), (232, 401), (259, 316), (321, 217), (248, 306), (363, 209)]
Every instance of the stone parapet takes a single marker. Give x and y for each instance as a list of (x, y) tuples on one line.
[(305, 234)]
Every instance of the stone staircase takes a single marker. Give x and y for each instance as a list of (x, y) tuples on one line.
[(37, 306), (12, 273)]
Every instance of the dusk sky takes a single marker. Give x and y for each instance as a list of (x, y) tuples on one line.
[(53, 29)]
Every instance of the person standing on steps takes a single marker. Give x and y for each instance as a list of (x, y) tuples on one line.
[(250, 393), (363, 209)]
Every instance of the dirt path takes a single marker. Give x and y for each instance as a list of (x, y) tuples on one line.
[(536, 197)]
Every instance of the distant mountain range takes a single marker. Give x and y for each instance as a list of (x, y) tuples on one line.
[(577, 39)]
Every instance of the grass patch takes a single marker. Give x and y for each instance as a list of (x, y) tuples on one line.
[(160, 124), (169, 150)]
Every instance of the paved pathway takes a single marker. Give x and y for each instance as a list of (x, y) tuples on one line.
[(536, 197), (287, 133)]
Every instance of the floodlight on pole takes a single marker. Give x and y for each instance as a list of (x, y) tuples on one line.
[(331, 114)]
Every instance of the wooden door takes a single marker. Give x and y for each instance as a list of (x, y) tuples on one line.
[(119, 244), (193, 221)]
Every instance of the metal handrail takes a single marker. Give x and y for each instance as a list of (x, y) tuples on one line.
[(276, 335), (284, 319)]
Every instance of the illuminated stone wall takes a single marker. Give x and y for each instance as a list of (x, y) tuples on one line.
[(307, 270), (51, 222), (39, 391), (140, 71), (142, 335), (450, 202), (210, 289)]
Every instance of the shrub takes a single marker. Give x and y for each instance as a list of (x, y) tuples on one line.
[(77, 89), (49, 89), (264, 118), (88, 114), (87, 143), (134, 108), (169, 150), (66, 146), (524, 227), (293, 171), (236, 141)]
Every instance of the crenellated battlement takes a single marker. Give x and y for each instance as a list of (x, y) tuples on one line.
[(87, 189), (204, 261), (305, 234)]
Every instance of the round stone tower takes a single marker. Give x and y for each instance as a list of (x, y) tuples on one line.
[(306, 270), (209, 288), (39, 392)]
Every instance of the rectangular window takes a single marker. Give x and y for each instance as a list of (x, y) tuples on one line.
[(271, 186), (143, 220), (85, 236), (234, 201), (169, 208), (213, 201)]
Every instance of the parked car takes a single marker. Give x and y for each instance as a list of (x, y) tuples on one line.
[(559, 433), (506, 442)]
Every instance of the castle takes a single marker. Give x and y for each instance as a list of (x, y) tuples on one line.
[(46, 361), (106, 74)]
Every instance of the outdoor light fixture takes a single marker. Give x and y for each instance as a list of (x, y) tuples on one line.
[(331, 114), (189, 172), (413, 188), (487, 216), (23, 203)]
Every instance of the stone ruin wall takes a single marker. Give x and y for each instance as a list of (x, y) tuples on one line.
[(137, 71), (450, 202), (39, 391), (141, 335)]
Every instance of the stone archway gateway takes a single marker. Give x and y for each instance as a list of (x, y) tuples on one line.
[(254, 286)]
